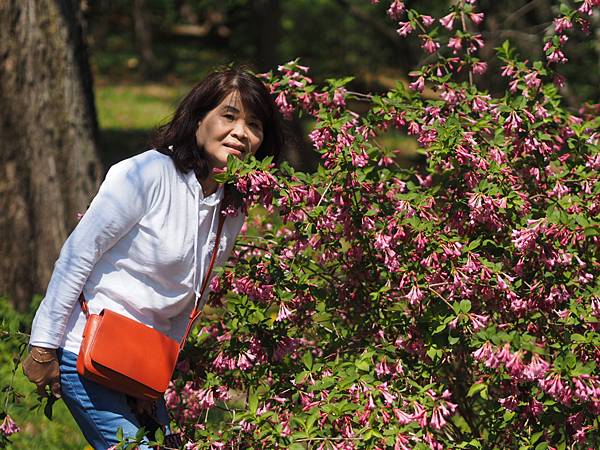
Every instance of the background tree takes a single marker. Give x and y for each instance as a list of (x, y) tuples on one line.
[(48, 159)]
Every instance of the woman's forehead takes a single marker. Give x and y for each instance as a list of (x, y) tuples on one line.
[(233, 102)]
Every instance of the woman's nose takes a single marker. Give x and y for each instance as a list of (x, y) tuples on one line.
[(239, 130)]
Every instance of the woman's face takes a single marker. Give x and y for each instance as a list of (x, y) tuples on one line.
[(229, 130)]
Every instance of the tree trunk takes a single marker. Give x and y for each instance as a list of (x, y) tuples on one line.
[(49, 165), (266, 15), (143, 38)]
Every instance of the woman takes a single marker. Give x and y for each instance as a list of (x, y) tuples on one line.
[(143, 247)]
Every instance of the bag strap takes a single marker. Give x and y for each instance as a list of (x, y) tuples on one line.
[(196, 311)]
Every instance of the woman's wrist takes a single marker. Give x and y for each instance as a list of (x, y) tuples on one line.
[(43, 355)]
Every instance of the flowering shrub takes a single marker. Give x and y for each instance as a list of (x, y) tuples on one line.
[(454, 306)]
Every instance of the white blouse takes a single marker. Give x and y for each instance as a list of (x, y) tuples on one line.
[(141, 249)]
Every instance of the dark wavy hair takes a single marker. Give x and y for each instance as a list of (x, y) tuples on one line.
[(180, 133)]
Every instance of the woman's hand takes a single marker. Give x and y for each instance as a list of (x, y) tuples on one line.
[(41, 367)]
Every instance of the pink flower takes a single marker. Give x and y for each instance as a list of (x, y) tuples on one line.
[(476, 18), (339, 97), (557, 56), (479, 68), (586, 7), (388, 397), (513, 122), (382, 368), (536, 369), (285, 108), (427, 20), (479, 322), (9, 427), (437, 420), (418, 84), (532, 81), (415, 295), (535, 407), (402, 417), (284, 312), (508, 71), (429, 45), (320, 137), (561, 24), (484, 353), (524, 239), (405, 29), (448, 21), (396, 9), (455, 43), (419, 415)]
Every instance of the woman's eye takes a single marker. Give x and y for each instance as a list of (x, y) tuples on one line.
[(229, 116)]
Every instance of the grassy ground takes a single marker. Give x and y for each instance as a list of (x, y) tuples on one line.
[(127, 115), (37, 431)]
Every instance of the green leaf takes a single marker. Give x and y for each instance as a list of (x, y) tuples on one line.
[(253, 401), (140, 434), (477, 387), (465, 306), (48, 408), (120, 434), (362, 365), (307, 359), (159, 436)]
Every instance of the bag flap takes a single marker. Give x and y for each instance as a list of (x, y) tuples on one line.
[(134, 350)]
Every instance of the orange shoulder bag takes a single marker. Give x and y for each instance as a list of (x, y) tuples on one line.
[(128, 356)]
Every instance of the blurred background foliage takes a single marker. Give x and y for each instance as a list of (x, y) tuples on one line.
[(145, 54)]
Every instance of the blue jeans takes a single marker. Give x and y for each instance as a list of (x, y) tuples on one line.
[(100, 411)]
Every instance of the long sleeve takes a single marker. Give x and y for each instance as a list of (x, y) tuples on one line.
[(121, 201)]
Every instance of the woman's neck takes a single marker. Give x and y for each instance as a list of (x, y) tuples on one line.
[(209, 185)]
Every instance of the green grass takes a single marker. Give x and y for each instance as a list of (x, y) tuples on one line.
[(136, 106), (37, 431), (128, 114)]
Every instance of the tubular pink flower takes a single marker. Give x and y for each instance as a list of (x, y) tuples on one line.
[(455, 43), (417, 85), (437, 420), (448, 21), (427, 20), (9, 426), (479, 322), (532, 81), (405, 29), (419, 415), (484, 353), (536, 369), (479, 68), (284, 312), (388, 397), (415, 295), (285, 108), (396, 9), (476, 18), (430, 46), (561, 24), (382, 368), (402, 417)]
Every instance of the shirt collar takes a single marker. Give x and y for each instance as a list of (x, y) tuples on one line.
[(212, 199)]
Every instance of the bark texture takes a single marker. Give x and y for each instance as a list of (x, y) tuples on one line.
[(49, 165)]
